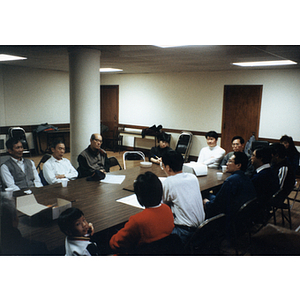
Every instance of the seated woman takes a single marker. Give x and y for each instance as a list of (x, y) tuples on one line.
[(157, 152)]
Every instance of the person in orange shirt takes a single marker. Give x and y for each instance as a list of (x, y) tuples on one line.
[(155, 222)]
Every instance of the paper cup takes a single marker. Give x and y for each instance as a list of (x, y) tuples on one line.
[(224, 169), (219, 175), (9, 192), (64, 182)]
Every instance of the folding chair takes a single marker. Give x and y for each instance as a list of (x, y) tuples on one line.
[(184, 144), (114, 162), (133, 155)]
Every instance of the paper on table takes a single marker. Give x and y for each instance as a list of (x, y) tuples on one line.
[(114, 179), (130, 200), (193, 167), (28, 205)]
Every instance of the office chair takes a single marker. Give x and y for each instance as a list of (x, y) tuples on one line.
[(42, 161), (133, 155), (282, 206), (208, 237), (184, 144), (114, 162), (170, 245), (39, 169)]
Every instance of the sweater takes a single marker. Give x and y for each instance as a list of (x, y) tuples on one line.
[(152, 224), (211, 156)]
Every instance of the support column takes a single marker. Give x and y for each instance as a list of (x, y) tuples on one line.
[(84, 76)]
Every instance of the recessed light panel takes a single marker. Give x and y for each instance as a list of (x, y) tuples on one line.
[(106, 70), (7, 57), (265, 63)]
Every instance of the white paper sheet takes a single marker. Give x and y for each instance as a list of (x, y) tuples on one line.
[(196, 168), (114, 179), (28, 205), (130, 200)]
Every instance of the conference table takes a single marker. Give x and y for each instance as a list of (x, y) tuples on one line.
[(97, 200)]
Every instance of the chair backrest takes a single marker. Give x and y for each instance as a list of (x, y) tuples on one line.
[(114, 162), (170, 245), (43, 180), (208, 236), (42, 161), (133, 155), (246, 216), (19, 133), (184, 144)]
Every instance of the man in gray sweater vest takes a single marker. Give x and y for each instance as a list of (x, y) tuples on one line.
[(18, 172)]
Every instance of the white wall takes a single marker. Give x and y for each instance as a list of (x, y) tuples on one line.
[(34, 96), (194, 101), (190, 101)]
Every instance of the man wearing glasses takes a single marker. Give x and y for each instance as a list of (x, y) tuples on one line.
[(93, 158)]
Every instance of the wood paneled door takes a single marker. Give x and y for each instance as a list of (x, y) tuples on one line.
[(241, 112), (109, 95)]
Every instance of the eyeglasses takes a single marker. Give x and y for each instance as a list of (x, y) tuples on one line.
[(98, 141)]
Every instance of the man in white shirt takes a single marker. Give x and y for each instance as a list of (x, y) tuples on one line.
[(18, 172), (58, 167), (212, 154), (181, 191)]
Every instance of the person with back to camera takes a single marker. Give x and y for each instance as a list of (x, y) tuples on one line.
[(212, 154), (93, 159), (58, 167), (157, 152), (18, 172), (182, 194), (291, 152), (78, 233), (154, 223)]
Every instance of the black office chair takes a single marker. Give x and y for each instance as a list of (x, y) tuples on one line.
[(282, 205), (170, 245), (208, 237), (39, 169), (42, 161), (114, 162), (243, 223)]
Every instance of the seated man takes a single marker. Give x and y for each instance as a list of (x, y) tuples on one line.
[(157, 152), (238, 145), (265, 180), (58, 167), (212, 154), (285, 173), (18, 172), (93, 158), (235, 191), (182, 194)]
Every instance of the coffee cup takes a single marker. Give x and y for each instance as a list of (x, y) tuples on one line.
[(9, 192), (224, 169), (219, 175), (64, 182)]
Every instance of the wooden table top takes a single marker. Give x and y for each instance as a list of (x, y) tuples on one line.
[(96, 200)]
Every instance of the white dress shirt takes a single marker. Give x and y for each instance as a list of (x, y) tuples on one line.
[(53, 167), (8, 179)]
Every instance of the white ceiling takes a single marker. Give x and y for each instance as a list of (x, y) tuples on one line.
[(151, 59)]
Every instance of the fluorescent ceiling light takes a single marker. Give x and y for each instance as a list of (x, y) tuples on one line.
[(6, 57), (105, 70), (169, 46), (265, 63)]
